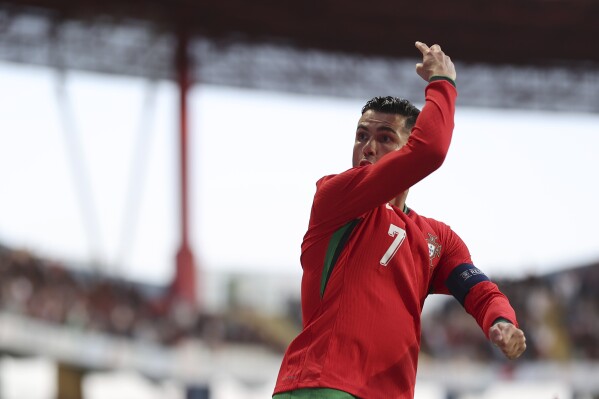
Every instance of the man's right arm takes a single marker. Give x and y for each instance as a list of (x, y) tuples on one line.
[(350, 194), (356, 191)]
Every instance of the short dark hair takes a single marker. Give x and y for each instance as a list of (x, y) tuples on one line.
[(394, 105)]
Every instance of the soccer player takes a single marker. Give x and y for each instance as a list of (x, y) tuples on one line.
[(369, 261)]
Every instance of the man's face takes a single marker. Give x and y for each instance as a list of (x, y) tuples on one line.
[(378, 134)]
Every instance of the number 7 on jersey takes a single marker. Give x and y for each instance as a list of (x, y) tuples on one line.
[(400, 235)]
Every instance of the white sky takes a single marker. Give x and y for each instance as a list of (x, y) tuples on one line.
[(520, 187)]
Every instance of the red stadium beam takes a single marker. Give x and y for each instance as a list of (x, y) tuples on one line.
[(184, 284)]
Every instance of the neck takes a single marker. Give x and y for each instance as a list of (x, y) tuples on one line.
[(400, 200)]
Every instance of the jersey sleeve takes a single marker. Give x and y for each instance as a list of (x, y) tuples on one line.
[(484, 301), (454, 252), (348, 195)]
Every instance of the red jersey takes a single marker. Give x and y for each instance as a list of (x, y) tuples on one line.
[(368, 268)]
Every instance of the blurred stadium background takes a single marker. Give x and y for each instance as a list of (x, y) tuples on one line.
[(72, 331)]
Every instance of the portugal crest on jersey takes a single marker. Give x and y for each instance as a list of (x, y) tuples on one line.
[(434, 248)]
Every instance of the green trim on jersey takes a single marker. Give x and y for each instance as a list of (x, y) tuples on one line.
[(336, 245), (437, 77), (314, 393)]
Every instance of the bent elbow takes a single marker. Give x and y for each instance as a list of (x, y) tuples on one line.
[(435, 158)]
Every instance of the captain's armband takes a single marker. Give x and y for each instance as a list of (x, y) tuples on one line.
[(462, 278)]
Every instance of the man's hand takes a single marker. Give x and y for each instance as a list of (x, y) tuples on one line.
[(508, 338), (434, 62)]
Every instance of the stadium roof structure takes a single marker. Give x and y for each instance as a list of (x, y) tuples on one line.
[(533, 54)]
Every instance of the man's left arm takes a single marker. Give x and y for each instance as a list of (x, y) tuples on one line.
[(493, 312), (479, 296)]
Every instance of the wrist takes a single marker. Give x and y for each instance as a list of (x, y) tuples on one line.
[(439, 77), (501, 320)]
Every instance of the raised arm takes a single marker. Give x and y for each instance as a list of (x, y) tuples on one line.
[(350, 194)]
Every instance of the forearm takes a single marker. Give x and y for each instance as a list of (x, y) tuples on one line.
[(434, 126), (487, 304)]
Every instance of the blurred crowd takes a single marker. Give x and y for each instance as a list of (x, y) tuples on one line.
[(558, 312), (46, 290)]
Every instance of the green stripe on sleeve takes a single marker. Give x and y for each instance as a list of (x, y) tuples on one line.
[(311, 393), (450, 80), (336, 245)]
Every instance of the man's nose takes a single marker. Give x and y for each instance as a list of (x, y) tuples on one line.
[(369, 148)]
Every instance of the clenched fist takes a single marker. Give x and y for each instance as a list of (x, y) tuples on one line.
[(509, 338)]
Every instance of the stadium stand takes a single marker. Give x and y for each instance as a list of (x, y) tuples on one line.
[(46, 290), (559, 311), (89, 323)]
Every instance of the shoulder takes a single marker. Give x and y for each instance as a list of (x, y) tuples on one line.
[(438, 233), (434, 224)]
